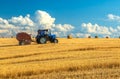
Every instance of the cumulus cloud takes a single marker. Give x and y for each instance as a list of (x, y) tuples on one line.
[(114, 17), (63, 30), (4, 31), (102, 31), (21, 21), (95, 29), (4, 24), (65, 27), (118, 27), (81, 35), (3, 21), (42, 20), (112, 30), (116, 30)]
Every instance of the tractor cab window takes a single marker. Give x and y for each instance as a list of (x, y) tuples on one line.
[(40, 32), (49, 32), (43, 32), (46, 32)]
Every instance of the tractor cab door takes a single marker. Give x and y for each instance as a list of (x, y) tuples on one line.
[(41, 32)]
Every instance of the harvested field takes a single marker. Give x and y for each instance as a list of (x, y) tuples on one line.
[(76, 58)]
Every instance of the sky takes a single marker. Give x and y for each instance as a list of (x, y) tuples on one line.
[(81, 18)]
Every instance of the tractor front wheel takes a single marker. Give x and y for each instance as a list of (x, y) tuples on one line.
[(55, 41)]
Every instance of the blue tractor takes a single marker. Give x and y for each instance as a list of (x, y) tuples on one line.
[(45, 35)]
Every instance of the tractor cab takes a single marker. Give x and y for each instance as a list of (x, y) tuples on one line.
[(43, 32), (45, 35)]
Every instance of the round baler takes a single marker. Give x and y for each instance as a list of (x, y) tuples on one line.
[(23, 38)]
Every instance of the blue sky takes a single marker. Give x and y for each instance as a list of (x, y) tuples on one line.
[(65, 11), (73, 12)]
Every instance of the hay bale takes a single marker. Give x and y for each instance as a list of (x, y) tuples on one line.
[(107, 37), (12, 36), (89, 36), (69, 36), (96, 36)]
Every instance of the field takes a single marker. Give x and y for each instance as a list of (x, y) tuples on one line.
[(77, 58)]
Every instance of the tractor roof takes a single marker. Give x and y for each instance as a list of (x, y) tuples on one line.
[(43, 30)]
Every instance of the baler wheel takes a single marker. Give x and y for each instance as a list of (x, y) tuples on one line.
[(21, 42)]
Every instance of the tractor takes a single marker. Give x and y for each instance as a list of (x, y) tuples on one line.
[(45, 35)]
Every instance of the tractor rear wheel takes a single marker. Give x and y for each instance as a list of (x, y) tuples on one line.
[(42, 40), (55, 41)]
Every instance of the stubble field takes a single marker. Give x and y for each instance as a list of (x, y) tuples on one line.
[(77, 58)]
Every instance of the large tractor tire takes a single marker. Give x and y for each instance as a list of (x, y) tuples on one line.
[(55, 41), (42, 40), (38, 40)]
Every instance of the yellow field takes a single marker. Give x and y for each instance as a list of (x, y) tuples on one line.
[(69, 59)]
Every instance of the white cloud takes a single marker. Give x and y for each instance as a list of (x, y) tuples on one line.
[(113, 30), (102, 31), (81, 35), (114, 17), (111, 16), (42, 20), (118, 28), (95, 29), (4, 31), (21, 21), (3, 21), (63, 28), (4, 24)]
